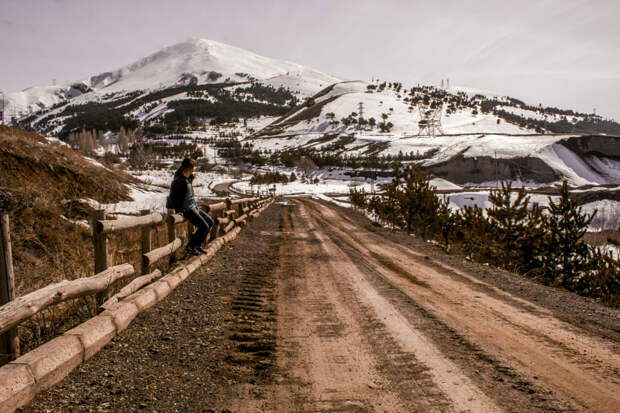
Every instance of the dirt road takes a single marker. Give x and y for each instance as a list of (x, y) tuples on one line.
[(366, 324), (328, 313)]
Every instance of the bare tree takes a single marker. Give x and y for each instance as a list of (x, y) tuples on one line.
[(306, 164), (123, 140)]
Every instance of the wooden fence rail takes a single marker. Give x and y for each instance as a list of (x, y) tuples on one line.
[(227, 214), (24, 307), (131, 288), (155, 255), (109, 226)]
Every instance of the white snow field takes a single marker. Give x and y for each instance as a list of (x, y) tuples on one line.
[(567, 164), (328, 186)]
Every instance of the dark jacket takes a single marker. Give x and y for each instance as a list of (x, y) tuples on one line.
[(182, 193)]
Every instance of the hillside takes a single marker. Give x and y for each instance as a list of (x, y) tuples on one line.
[(401, 112), (478, 139), (42, 186)]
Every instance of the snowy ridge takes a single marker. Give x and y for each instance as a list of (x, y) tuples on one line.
[(203, 61), (195, 61)]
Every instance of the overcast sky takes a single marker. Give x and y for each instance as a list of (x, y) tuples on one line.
[(557, 52)]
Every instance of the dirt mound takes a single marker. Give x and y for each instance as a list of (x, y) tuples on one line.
[(466, 170)]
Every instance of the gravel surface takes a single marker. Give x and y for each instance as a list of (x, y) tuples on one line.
[(181, 355)]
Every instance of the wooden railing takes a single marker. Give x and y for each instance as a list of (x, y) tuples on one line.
[(13, 311)]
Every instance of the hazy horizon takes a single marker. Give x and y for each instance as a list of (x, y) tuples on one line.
[(558, 53)]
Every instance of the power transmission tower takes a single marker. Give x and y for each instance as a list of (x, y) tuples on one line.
[(430, 121)]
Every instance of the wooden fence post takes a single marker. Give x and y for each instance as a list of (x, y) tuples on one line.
[(171, 233), (103, 260), (147, 241), (171, 230), (215, 228), (9, 342)]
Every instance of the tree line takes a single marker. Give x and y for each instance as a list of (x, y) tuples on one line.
[(544, 243)]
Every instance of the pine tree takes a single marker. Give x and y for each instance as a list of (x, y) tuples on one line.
[(567, 256), (357, 197), (604, 279), (474, 231), (448, 222), (416, 200), (532, 245), (508, 220)]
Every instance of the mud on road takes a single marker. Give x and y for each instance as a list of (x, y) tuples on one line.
[(314, 309)]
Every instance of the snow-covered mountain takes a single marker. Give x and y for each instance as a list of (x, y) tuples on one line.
[(193, 62), (462, 134)]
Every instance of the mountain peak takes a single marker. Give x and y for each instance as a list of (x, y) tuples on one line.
[(200, 61), (193, 61)]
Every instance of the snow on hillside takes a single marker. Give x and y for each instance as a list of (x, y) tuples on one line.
[(566, 163), (537, 115), (154, 188), (344, 98), (302, 83), (471, 91), (196, 61)]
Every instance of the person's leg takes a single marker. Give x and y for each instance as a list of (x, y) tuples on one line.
[(206, 217), (208, 220), (202, 228)]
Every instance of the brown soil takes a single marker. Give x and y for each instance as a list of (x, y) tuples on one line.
[(314, 309)]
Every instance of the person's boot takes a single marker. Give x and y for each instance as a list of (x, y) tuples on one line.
[(191, 251), (200, 250)]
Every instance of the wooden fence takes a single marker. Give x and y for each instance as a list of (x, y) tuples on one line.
[(227, 215)]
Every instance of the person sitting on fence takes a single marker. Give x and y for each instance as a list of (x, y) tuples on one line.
[(182, 200)]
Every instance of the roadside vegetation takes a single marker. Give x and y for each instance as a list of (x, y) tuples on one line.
[(543, 243)]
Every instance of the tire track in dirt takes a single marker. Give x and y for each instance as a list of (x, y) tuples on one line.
[(324, 361), (534, 344), (448, 383)]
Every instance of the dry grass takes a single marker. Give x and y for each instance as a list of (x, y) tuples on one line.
[(48, 248)]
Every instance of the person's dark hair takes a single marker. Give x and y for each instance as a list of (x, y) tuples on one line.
[(187, 163)]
